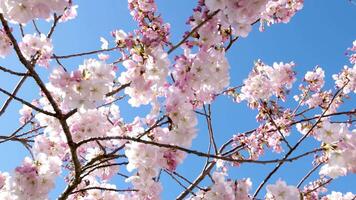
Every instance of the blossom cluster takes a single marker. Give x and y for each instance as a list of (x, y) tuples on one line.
[(341, 158), (152, 30), (282, 191), (146, 76), (76, 122), (339, 196), (85, 87), (346, 79), (193, 74), (265, 81), (240, 15), (37, 47), (22, 11), (280, 11), (225, 189), (32, 180)]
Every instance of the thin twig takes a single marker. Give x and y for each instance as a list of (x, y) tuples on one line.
[(13, 72), (84, 53), (308, 174), (14, 92)]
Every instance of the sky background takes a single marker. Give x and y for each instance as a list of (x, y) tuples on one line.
[(318, 35)]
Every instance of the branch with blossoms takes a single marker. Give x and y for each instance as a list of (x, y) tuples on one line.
[(75, 129)]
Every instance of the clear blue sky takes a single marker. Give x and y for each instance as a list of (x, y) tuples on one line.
[(317, 35)]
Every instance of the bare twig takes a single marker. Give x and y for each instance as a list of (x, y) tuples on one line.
[(14, 92), (308, 174), (12, 72), (84, 53), (103, 189), (27, 103)]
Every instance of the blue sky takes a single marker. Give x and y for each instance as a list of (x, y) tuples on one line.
[(318, 35)]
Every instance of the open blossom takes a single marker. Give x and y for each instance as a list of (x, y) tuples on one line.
[(40, 46), (342, 159), (280, 11), (91, 123), (148, 188), (26, 114), (205, 64), (176, 93), (265, 135), (144, 12), (85, 87), (143, 157), (181, 112), (333, 171), (5, 44), (242, 14), (50, 145), (282, 74), (225, 189), (146, 76), (315, 79), (256, 87), (265, 81), (147, 160), (34, 179), (242, 189), (239, 14), (193, 74), (317, 99), (331, 133), (282, 191), (69, 13), (104, 43), (22, 11), (346, 79), (119, 36), (339, 196)]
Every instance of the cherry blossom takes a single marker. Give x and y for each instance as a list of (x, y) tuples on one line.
[(35, 178), (5, 45), (225, 189), (84, 87), (26, 114), (280, 11), (37, 46), (240, 14), (282, 191), (22, 11), (339, 196), (264, 82), (348, 77), (145, 76), (315, 79), (74, 129)]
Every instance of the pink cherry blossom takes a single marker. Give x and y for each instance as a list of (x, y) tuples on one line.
[(41, 46), (282, 191), (5, 45)]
